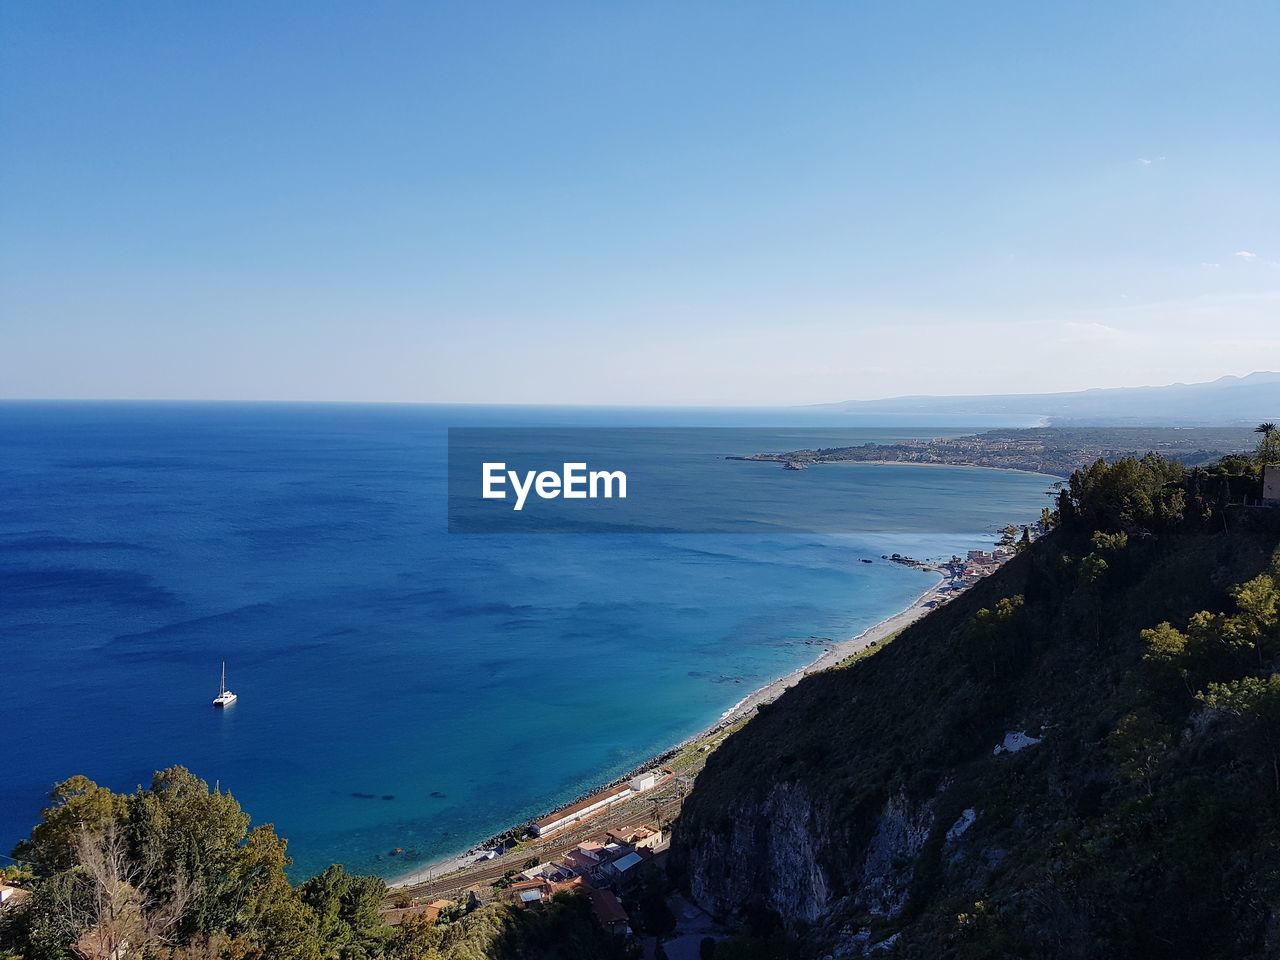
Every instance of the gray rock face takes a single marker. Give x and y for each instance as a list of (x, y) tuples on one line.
[(773, 855), (901, 831), (782, 855)]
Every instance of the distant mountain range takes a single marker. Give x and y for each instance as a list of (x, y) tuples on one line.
[(1225, 401)]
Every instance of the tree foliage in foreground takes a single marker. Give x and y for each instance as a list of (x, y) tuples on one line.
[(173, 871)]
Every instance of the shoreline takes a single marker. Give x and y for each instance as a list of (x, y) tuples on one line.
[(835, 654)]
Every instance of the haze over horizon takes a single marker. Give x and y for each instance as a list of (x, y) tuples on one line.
[(659, 205), (1268, 381)]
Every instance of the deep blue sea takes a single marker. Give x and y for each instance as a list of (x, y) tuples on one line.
[(401, 686)]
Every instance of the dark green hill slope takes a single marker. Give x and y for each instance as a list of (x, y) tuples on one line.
[(876, 804)]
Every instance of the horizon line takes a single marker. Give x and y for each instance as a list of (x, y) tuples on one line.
[(702, 405)]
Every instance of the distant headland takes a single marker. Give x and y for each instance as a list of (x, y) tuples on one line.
[(1056, 451)]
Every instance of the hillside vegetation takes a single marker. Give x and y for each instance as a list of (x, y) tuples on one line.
[(1080, 757)]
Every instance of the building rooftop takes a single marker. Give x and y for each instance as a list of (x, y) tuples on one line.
[(631, 833), (583, 804), (607, 908), (430, 910), (573, 883), (622, 864), (12, 895), (530, 891)]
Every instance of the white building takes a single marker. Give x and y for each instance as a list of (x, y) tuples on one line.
[(548, 871), (561, 819), (1271, 484), (646, 781)]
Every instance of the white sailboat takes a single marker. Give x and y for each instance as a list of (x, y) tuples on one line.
[(225, 697)]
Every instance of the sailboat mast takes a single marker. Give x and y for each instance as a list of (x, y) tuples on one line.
[(222, 684)]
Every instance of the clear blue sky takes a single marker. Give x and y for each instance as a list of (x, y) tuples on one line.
[(650, 202)]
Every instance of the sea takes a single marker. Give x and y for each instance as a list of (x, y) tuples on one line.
[(403, 687)]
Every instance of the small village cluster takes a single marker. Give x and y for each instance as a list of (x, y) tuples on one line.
[(602, 868), (961, 573), (977, 565)]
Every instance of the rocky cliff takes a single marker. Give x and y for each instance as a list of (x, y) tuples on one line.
[(1013, 775)]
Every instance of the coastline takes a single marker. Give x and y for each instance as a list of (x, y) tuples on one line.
[(834, 655), (808, 464)]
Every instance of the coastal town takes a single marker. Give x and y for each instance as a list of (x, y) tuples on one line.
[(605, 846), (604, 867), (610, 845), (1055, 451)]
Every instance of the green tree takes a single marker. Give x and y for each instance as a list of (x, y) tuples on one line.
[(1167, 655), (1128, 494), (415, 938), (1254, 705), (1257, 601), (1109, 542), (1137, 745), (1092, 568), (1066, 511), (51, 921), (76, 805), (1213, 648), (190, 830), (270, 918), (1269, 445), (348, 913), (991, 637), (173, 871)]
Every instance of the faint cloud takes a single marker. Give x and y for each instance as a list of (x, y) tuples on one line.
[(1090, 332), (1245, 255), (1148, 161)]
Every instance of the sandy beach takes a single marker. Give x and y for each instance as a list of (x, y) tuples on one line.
[(832, 656), (836, 654), (439, 868)]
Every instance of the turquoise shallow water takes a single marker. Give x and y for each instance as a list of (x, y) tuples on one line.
[(399, 686)]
